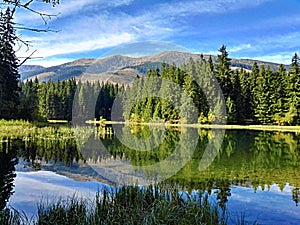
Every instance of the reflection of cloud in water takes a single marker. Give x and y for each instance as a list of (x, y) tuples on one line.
[(32, 187), (264, 206)]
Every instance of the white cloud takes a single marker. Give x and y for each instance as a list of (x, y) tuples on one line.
[(185, 8), (86, 33), (48, 62), (279, 58), (46, 48), (238, 48), (65, 8)]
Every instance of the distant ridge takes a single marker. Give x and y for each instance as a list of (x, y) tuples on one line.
[(121, 69), (30, 68)]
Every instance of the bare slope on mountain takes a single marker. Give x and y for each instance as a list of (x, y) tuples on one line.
[(122, 69), (29, 68)]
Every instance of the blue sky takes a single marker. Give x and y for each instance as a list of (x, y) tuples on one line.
[(260, 29)]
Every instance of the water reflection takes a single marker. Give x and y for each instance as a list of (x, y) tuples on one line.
[(8, 160), (246, 159)]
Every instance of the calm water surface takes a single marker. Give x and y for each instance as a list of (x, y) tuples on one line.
[(254, 174)]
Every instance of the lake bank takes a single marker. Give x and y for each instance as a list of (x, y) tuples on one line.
[(205, 126)]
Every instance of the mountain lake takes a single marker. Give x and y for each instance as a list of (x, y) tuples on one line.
[(250, 174)]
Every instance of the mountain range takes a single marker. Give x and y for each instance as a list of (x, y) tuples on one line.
[(121, 69)]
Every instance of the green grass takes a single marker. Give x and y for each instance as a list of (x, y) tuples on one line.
[(10, 216), (129, 205), (19, 129)]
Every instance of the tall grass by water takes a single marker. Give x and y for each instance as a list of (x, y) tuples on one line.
[(19, 129), (127, 205)]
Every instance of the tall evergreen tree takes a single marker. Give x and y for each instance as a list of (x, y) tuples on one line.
[(280, 95), (223, 72), (293, 99), (9, 75), (237, 98), (295, 64), (28, 107), (264, 97), (247, 97)]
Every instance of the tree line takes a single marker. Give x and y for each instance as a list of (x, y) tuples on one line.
[(260, 96), (55, 100)]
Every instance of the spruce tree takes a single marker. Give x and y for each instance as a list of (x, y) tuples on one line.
[(293, 95), (280, 95), (247, 97), (223, 72), (264, 97), (9, 75), (237, 98)]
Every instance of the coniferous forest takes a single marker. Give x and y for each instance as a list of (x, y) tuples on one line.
[(260, 96)]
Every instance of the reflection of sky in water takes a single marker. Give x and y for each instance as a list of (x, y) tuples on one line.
[(31, 187), (267, 207)]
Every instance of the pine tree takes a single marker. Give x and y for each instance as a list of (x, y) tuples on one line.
[(293, 94), (9, 75), (295, 64), (223, 71), (264, 96), (231, 110), (253, 76), (237, 100), (247, 105), (28, 107), (210, 63), (42, 102), (280, 95)]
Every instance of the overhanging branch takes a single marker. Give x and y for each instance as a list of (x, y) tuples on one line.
[(36, 29), (18, 4), (26, 58)]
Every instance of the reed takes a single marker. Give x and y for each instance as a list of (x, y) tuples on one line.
[(124, 205), (133, 205)]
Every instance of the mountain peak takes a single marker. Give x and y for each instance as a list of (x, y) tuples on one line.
[(113, 67)]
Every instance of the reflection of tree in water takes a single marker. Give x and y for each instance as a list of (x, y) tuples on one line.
[(164, 149), (296, 193), (8, 161), (223, 192), (246, 158), (57, 150)]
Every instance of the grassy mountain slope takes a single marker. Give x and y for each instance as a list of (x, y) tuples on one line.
[(122, 69)]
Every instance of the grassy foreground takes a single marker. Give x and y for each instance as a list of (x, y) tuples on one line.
[(129, 205)]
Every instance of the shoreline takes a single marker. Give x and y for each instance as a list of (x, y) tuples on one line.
[(208, 126)]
